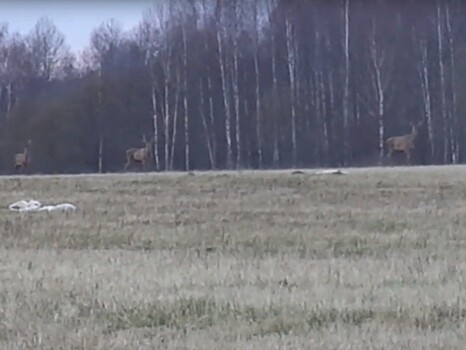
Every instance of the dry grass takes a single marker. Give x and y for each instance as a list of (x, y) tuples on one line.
[(257, 260)]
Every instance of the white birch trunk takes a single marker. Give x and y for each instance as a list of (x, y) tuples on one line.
[(455, 151), (379, 93), (175, 120), (331, 111), (205, 125), (276, 148), (155, 126), (346, 87), (323, 108), (226, 101), (211, 120), (445, 120), (101, 124), (423, 69), (185, 101), (291, 73), (9, 101), (166, 111), (258, 89), (237, 104)]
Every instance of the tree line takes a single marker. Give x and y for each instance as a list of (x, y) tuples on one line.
[(230, 84)]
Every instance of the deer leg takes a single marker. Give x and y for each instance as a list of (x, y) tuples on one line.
[(127, 164), (408, 157), (389, 156)]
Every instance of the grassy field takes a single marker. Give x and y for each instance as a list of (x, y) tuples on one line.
[(375, 259)]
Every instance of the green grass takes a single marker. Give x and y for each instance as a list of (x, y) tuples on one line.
[(252, 260)]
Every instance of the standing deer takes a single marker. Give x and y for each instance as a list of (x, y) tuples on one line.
[(404, 143), (139, 155), (21, 160)]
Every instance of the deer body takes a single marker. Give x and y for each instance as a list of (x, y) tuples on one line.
[(139, 155), (21, 160), (404, 143)]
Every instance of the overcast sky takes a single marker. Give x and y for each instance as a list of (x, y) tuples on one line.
[(75, 19)]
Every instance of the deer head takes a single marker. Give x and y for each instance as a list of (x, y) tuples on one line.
[(415, 127), (147, 144)]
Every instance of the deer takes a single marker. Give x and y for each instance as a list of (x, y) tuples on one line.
[(404, 143), (139, 155), (21, 160)]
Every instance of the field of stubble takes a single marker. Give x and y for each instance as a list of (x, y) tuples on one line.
[(258, 260)]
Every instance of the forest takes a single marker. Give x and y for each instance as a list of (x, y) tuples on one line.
[(239, 84)]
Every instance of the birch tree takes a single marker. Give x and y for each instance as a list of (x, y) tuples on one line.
[(235, 84), (346, 36), (148, 34), (225, 89), (443, 108), (205, 125), (274, 70), (257, 76), (381, 61), (15, 68), (166, 61), (424, 74), (291, 60), (185, 100), (455, 149), (175, 119)]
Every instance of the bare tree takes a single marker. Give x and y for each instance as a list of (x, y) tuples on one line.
[(424, 74), (444, 113), (104, 41), (257, 75), (225, 90), (381, 65), (290, 49), (455, 149), (15, 67), (346, 36), (274, 67), (205, 125), (47, 47), (175, 117), (185, 101), (265, 83), (148, 40), (235, 84), (166, 20)]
